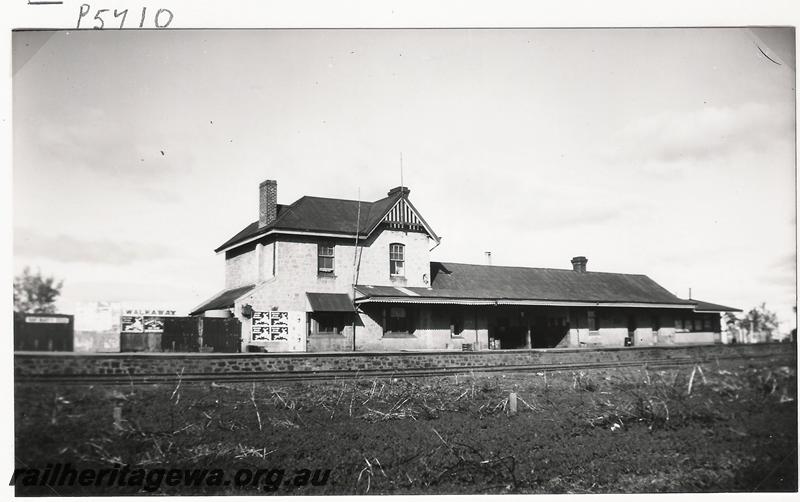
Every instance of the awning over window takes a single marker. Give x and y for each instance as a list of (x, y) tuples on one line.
[(330, 302)]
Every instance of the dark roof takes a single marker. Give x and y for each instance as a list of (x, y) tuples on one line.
[(222, 300), (711, 307), (330, 302), (319, 214), (456, 280)]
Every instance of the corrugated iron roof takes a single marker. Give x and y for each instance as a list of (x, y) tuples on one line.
[(701, 306), (489, 282), (223, 299), (549, 284), (330, 302)]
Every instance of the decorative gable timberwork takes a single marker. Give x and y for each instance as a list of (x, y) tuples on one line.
[(404, 216)]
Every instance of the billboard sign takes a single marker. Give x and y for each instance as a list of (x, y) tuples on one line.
[(144, 320), (270, 326)]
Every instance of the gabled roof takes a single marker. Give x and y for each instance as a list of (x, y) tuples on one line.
[(223, 299), (510, 284), (324, 215)]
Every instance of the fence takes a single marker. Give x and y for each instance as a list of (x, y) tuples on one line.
[(201, 334)]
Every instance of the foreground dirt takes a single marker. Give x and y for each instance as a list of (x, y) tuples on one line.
[(733, 428)]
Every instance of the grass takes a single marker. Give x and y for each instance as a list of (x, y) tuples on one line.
[(729, 427)]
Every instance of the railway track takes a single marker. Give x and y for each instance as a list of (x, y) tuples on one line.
[(294, 376)]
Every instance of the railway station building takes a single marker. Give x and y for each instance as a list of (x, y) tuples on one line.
[(325, 274)]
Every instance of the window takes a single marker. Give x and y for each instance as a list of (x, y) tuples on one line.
[(398, 320), (328, 323), (397, 259), (325, 258), (707, 326), (592, 321), (698, 325)]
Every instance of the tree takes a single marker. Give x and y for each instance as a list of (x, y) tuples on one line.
[(760, 320), (34, 293)]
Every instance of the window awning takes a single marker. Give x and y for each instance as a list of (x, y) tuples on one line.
[(330, 302)]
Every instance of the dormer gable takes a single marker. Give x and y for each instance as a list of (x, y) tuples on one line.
[(404, 216)]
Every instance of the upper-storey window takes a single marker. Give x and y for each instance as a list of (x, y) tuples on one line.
[(397, 260), (325, 258)]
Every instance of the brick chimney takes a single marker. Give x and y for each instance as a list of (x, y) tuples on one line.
[(579, 264), (405, 191), (267, 202)]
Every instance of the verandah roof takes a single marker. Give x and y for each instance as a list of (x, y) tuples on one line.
[(456, 283), (223, 299)]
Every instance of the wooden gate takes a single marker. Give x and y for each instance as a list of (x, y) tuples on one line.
[(201, 334), (223, 334)]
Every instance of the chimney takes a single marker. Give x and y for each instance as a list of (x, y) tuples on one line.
[(405, 191), (488, 257), (579, 264), (267, 202)]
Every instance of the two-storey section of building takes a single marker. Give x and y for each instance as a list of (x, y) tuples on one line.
[(303, 260)]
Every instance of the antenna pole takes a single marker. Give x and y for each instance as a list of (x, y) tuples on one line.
[(355, 265), (401, 170), (355, 253)]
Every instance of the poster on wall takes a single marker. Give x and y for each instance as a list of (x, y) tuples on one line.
[(270, 326), (261, 326), (279, 333), (153, 324), (279, 318), (132, 324)]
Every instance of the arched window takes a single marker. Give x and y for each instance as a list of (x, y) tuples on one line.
[(397, 260)]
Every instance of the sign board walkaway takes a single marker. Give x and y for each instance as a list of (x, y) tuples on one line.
[(144, 320)]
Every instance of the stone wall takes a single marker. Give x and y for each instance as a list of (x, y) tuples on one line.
[(296, 274), (241, 269), (295, 263), (43, 365)]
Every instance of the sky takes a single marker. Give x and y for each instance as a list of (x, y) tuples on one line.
[(665, 152)]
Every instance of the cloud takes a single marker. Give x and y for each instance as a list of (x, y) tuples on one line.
[(707, 133), (89, 143), (578, 217), (787, 263), (31, 244), (167, 293), (782, 272)]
